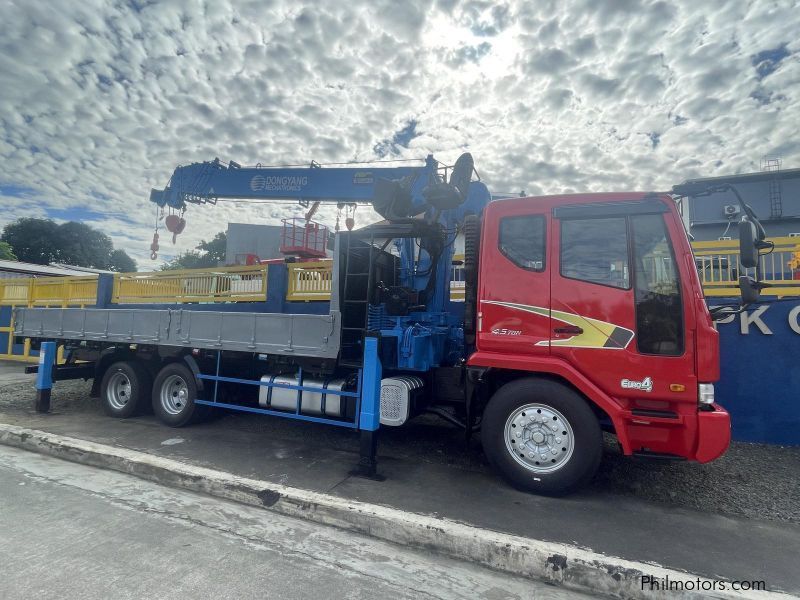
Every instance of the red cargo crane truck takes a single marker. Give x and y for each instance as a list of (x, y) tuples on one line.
[(582, 313)]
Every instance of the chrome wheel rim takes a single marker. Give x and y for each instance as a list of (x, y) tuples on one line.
[(118, 392), (539, 438), (174, 394)]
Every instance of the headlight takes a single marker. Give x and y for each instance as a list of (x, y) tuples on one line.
[(705, 393)]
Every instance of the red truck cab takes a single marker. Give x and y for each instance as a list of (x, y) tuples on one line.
[(590, 313)]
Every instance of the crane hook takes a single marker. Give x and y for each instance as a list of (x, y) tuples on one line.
[(350, 220), (338, 216), (154, 246), (175, 225)]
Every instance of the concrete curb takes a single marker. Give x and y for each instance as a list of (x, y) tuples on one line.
[(561, 564)]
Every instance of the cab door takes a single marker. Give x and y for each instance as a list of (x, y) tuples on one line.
[(514, 283), (619, 310)]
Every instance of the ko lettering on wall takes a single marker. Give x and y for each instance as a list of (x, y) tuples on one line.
[(758, 320)]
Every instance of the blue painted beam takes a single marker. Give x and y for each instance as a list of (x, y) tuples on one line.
[(44, 377), (370, 409)]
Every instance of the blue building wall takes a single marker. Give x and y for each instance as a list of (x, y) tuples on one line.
[(760, 378)]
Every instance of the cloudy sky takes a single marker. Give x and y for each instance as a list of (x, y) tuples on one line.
[(100, 100)]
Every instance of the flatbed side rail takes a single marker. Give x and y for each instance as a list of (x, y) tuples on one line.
[(268, 333)]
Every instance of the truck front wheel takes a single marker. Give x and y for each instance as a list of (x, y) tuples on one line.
[(541, 436), (125, 389), (174, 393)]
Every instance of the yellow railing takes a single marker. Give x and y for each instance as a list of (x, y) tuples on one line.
[(457, 283), (14, 292), (223, 284), (41, 291), (719, 268), (309, 280), (48, 291)]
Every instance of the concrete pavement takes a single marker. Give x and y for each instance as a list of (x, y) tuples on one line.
[(71, 531)]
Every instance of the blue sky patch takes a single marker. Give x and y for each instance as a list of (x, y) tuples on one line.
[(18, 191), (75, 213), (767, 61), (401, 139)]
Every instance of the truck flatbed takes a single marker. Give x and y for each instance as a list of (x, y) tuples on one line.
[(315, 336)]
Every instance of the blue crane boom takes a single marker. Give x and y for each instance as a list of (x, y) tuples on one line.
[(396, 192)]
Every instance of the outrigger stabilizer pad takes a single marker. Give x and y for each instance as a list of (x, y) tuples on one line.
[(42, 402), (367, 466)]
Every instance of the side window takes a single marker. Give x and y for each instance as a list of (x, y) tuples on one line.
[(522, 241), (596, 250), (657, 292)]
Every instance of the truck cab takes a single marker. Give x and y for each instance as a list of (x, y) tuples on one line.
[(590, 314)]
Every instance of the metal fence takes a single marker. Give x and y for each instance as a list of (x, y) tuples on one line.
[(39, 291), (457, 280), (223, 284), (309, 280), (48, 291), (719, 268)]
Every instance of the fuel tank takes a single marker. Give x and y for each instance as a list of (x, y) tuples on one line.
[(315, 403)]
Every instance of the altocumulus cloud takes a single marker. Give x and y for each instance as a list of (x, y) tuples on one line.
[(100, 100)]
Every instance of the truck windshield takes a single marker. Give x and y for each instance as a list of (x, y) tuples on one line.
[(659, 314)]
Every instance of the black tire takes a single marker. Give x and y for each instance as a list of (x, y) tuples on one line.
[(538, 406), (174, 393), (125, 389)]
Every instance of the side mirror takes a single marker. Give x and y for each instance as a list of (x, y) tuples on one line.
[(748, 244), (750, 289)]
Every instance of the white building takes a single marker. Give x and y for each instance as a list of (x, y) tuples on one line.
[(10, 269)]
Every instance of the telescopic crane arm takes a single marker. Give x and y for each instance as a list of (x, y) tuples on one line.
[(394, 192), (444, 194)]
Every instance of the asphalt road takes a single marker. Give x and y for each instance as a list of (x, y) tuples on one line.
[(71, 531)]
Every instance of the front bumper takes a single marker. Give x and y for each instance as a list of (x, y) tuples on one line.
[(713, 434)]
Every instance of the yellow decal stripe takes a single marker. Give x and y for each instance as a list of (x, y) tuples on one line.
[(596, 333)]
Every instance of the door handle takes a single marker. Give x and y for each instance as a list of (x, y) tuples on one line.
[(569, 329)]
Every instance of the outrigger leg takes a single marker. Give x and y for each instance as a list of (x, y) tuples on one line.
[(370, 414), (44, 377)]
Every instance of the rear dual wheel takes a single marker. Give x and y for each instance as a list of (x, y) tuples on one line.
[(125, 389), (174, 395)]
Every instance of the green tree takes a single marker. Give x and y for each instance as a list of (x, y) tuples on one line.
[(43, 241), (33, 240), (83, 246), (215, 249), (6, 252), (120, 262), (207, 254)]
